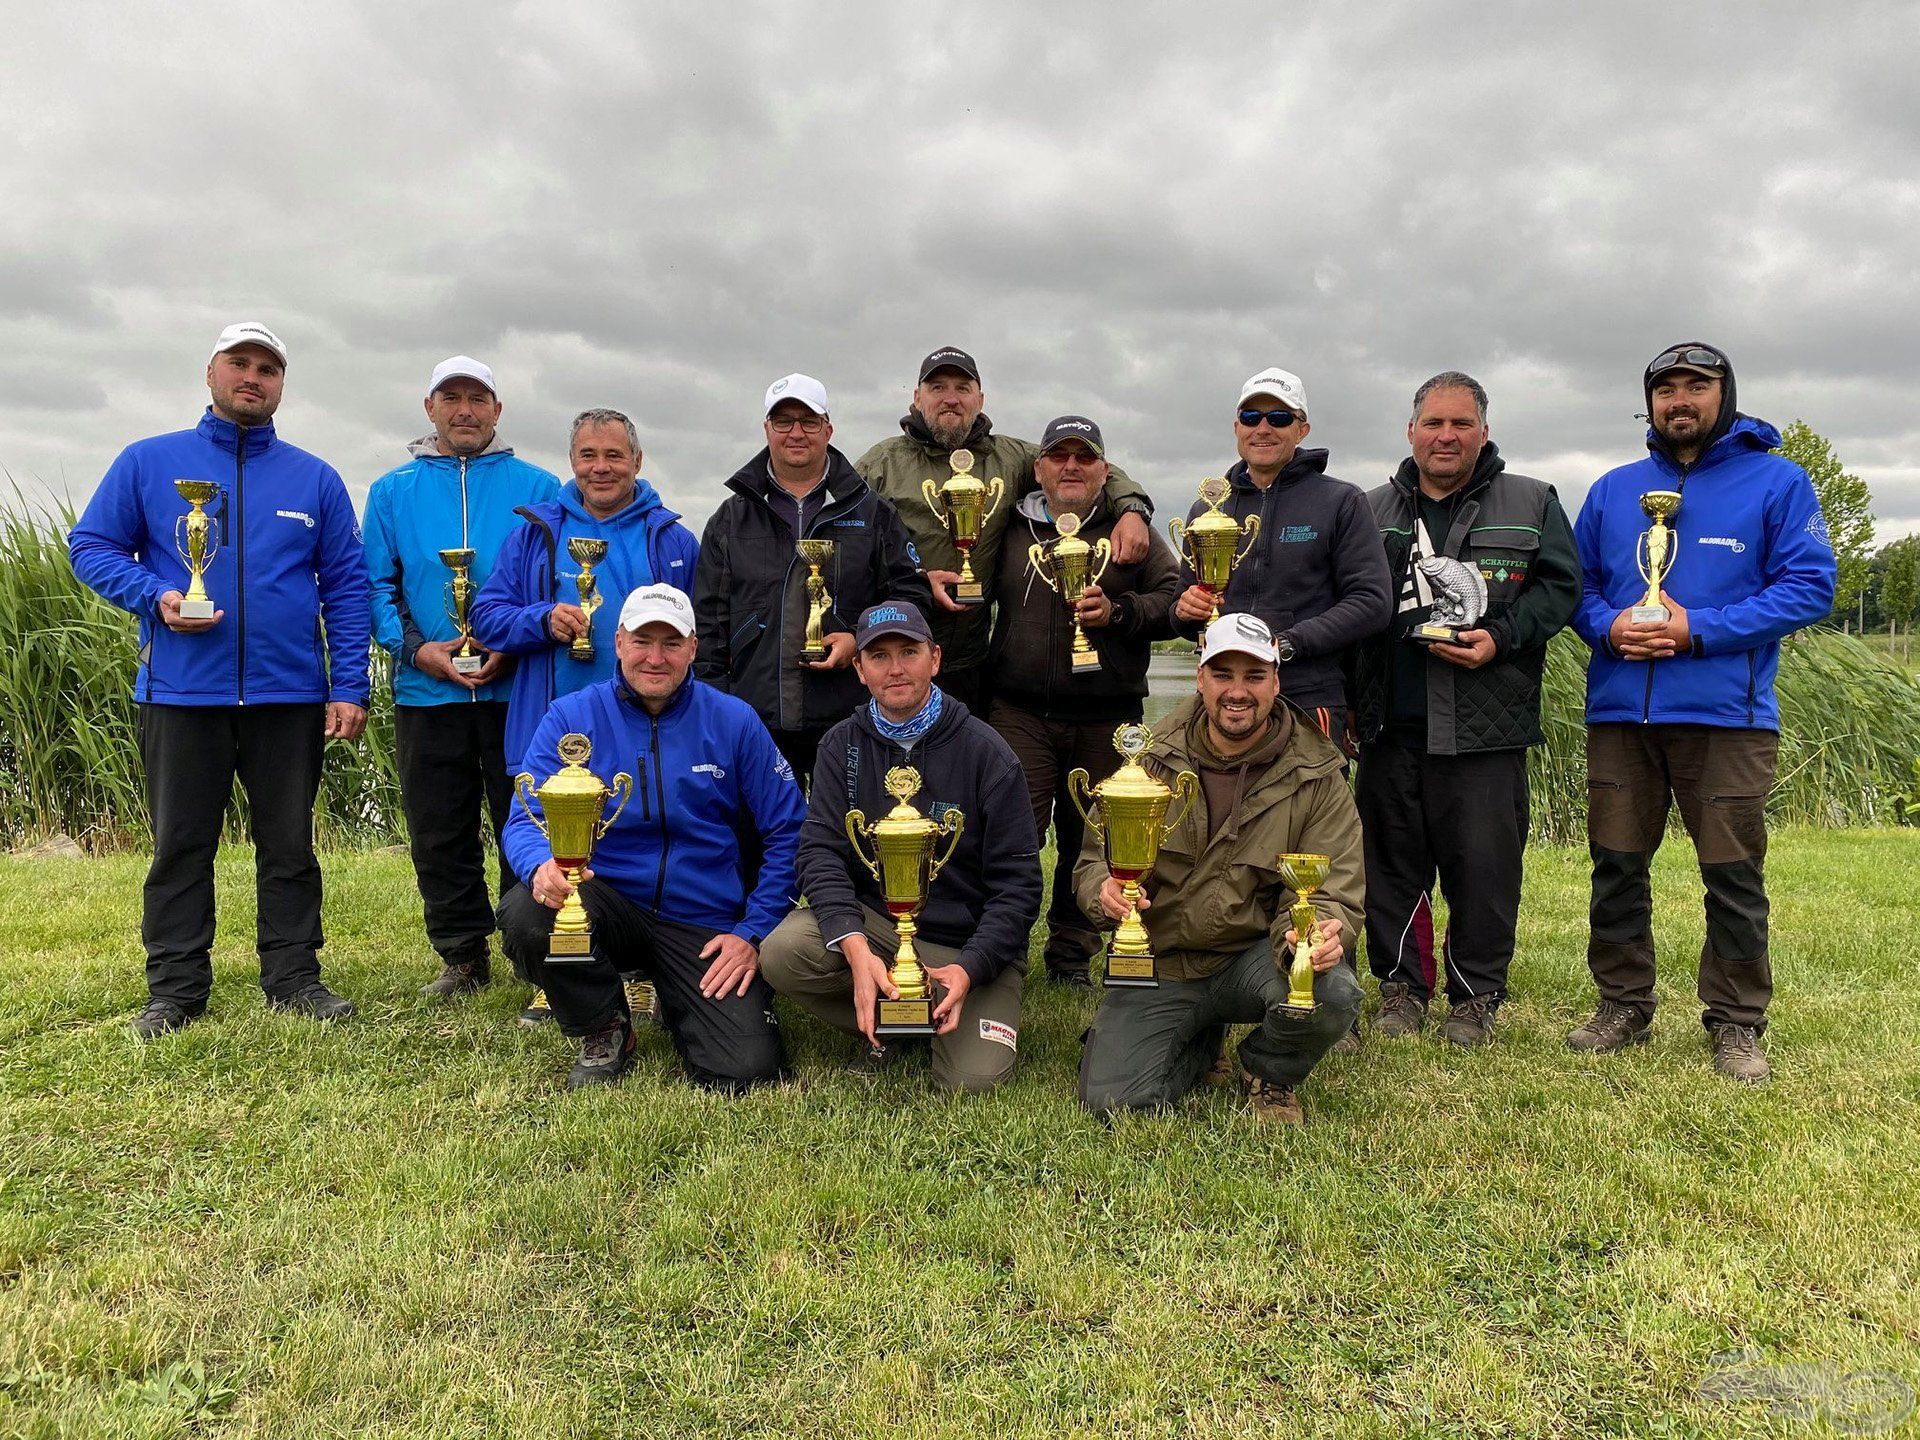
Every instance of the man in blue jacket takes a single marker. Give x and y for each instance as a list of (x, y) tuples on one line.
[(255, 690), (671, 890), (460, 490), (1681, 710)]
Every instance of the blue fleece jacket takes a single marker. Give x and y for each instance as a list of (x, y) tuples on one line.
[(288, 558), (704, 772), (434, 503), (1752, 565), (533, 572)]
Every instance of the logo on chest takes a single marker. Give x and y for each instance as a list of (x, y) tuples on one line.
[(1295, 534), (709, 768), (1738, 547), (300, 515)]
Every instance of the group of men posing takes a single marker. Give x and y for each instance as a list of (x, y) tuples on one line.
[(746, 756)]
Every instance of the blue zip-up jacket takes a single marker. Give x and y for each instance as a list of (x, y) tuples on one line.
[(434, 503), (1752, 565), (288, 558), (705, 773), (645, 543)]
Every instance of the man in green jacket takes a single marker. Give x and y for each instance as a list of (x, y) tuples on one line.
[(1217, 910), (947, 415)]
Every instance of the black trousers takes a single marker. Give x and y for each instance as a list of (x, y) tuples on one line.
[(453, 780), (730, 1043), (192, 755), (968, 686), (1462, 818), (801, 748)]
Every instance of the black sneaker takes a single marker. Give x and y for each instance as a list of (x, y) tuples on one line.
[(453, 981), (604, 1057), (870, 1061), (1470, 1023), (159, 1017), (1070, 975), (314, 1001)]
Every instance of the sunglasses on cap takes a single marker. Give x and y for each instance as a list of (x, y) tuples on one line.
[(1279, 419), (1685, 357)]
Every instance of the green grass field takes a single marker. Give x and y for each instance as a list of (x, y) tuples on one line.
[(405, 1227)]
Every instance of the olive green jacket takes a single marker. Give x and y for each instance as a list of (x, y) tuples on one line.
[(1213, 899)]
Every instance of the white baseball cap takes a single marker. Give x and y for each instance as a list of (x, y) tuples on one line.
[(1241, 633), (249, 332), (462, 367), (804, 388), (660, 603), (1282, 385)]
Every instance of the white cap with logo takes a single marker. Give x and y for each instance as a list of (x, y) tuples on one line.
[(249, 332), (1282, 385), (657, 603), (804, 388), (462, 367), (1241, 633)]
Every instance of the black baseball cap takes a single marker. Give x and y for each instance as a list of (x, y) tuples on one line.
[(891, 617), (1072, 427), (948, 358)]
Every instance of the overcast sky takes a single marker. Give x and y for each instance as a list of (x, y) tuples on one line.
[(1120, 210)]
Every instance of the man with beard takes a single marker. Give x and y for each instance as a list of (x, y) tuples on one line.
[(1681, 710), (1444, 728), (948, 414)]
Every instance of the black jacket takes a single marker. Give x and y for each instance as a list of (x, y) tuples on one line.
[(750, 592), (1316, 572), (986, 899)]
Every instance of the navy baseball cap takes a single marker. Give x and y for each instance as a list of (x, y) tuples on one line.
[(949, 358), (891, 617), (1072, 427)]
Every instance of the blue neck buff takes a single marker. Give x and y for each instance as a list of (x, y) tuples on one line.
[(906, 732)]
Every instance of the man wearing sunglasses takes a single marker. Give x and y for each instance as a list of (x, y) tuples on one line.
[(1316, 572), (1681, 709)]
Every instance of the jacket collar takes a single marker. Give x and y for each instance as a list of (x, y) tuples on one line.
[(1304, 462), (914, 424), (624, 693), (1748, 432), (638, 511), (952, 716), (226, 434), (1307, 755), (843, 481), (427, 447), (1407, 477)]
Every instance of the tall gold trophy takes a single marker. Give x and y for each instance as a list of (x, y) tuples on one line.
[(194, 538), (571, 800), (816, 553), (1209, 541), (467, 659), (1305, 874), (1069, 566), (586, 554), (1128, 811), (902, 861), (965, 502), (1654, 554)]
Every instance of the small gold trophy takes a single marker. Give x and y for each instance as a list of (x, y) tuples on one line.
[(586, 554), (1306, 874), (195, 540), (965, 502), (571, 800), (1654, 554), (467, 659), (1068, 566), (1209, 541), (816, 553), (902, 861), (1128, 811)]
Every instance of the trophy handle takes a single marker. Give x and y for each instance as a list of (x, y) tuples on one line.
[(996, 492), (1080, 787), (1177, 528), (857, 822), (1038, 558), (523, 786), (1250, 527), (1102, 547), (932, 492), (951, 824), (1186, 789), (623, 787)]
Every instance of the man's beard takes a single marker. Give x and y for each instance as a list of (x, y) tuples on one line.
[(950, 434)]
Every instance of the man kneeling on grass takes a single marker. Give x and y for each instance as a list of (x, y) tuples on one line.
[(1216, 907), (705, 772)]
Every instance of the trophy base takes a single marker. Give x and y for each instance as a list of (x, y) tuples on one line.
[(1639, 615), (969, 592), (1130, 972), (1298, 1012), (1088, 664), (469, 664), (903, 1017), (809, 653), (196, 609), (566, 948), (1430, 634), (582, 653)]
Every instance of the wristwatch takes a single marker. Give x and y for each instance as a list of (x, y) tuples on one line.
[(1284, 647)]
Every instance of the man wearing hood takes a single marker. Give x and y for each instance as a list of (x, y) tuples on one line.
[(1681, 710), (948, 414), (751, 589), (460, 489), (1444, 728)]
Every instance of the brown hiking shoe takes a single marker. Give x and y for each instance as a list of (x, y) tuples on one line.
[(1224, 1074), (1470, 1023), (1275, 1104), (1737, 1053), (454, 981), (1613, 1027), (1402, 1013)]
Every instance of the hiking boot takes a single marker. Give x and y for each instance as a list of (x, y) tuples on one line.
[(453, 981), (159, 1017), (1349, 1043), (605, 1056), (1274, 1104), (1073, 976), (1470, 1023), (869, 1061), (1613, 1027), (643, 1001), (537, 1012), (314, 1001), (1224, 1074), (1737, 1053), (1402, 1013)]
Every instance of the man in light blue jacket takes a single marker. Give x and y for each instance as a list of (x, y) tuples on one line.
[(458, 492)]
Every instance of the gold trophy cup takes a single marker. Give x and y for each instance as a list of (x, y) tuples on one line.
[(1128, 811), (816, 553), (1306, 874), (586, 554), (902, 861), (467, 659), (1654, 554), (965, 502), (196, 542), (1209, 541), (1069, 566), (571, 800)]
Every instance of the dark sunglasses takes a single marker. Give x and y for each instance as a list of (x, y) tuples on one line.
[(1279, 419), (1687, 355)]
